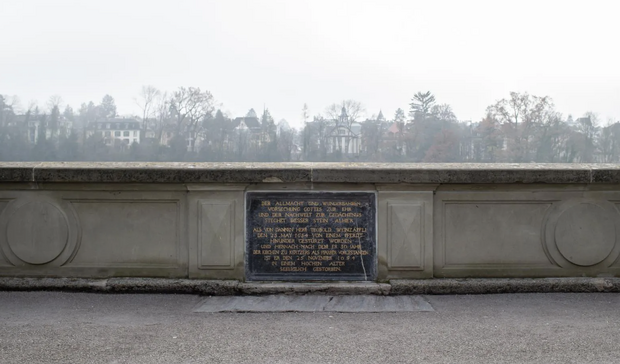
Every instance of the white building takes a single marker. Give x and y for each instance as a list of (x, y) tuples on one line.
[(344, 136), (34, 129), (117, 130)]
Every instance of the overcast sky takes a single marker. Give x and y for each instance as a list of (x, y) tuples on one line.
[(283, 54)]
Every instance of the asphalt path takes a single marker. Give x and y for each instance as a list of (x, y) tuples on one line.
[(56, 327)]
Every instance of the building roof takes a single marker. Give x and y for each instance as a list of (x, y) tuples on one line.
[(117, 124), (394, 128), (250, 122)]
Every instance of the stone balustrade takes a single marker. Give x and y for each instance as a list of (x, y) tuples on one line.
[(188, 220)]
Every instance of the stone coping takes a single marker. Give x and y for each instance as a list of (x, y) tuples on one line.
[(436, 286), (389, 173)]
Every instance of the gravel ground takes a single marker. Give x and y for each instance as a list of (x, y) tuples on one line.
[(56, 327)]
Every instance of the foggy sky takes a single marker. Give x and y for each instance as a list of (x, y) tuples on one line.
[(282, 54)]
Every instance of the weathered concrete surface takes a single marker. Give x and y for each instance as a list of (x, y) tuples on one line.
[(341, 288), (44, 327), (314, 303), (369, 303), (270, 303), (187, 220), (151, 172), (512, 285), (121, 285), (394, 288)]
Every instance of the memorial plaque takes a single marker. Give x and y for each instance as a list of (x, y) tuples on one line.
[(310, 236)]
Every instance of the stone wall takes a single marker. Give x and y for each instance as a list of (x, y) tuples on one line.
[(187, 220)]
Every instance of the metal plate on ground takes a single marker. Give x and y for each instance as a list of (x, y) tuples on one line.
[(314, 303)]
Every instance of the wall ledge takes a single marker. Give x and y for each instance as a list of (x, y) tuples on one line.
[(384, 173), (395, 287)]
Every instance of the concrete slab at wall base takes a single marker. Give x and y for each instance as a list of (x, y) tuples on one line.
[(394, 288)]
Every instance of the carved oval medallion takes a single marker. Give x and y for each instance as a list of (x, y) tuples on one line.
[(585, 234), (37, 232)]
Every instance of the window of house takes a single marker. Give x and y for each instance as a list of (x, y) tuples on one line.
[(126, 133), (135, 133), (108, 133), (117, 133)]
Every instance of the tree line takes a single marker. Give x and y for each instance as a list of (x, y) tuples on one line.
[(186, 125)]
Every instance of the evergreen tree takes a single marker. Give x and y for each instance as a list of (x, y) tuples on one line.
[(421, 105), (54, 123), (68, 113), (399, 116), (107, 109)]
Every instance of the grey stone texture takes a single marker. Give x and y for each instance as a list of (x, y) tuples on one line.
[(122, 285), (341, 288), (503, 285), (185, 222), (314, 303), (397, 287), (141, 172), (77, 328), (270, 303)]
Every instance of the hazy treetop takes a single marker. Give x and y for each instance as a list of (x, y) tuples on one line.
[(283, 54)]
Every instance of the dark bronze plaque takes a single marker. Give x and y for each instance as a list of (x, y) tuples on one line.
[(310, 236)]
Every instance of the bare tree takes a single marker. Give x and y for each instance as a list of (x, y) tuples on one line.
[(443, 112), (146, 100), (587, 129), (190, 106), (305, 114), (286, 144), (354, 109), (161, 108), (520, 116), (54, 101)]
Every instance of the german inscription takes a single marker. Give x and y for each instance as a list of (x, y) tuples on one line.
[(310, 236)]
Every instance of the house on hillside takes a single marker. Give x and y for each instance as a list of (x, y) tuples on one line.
[(249, 129), (116, 131), (39, 125), (247, 123), (344, 135), (394, 139), (283, 126)]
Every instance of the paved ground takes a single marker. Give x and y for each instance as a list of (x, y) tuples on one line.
[(313, 303), (41, 327)]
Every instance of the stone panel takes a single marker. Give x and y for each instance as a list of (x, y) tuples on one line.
[(494, 233), (215, 226), (498, 232), (585, 234), (37, 232), (405, 234), (581, 233), (38, 229), (216, 234), (3, 261), (132, 233)]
